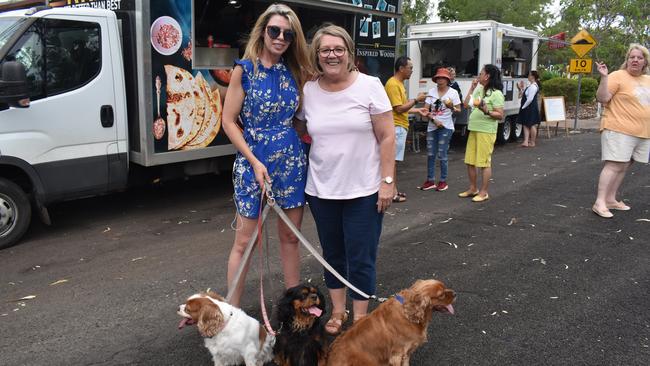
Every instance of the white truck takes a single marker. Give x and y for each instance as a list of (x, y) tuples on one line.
[(96, 95), (467, 46)]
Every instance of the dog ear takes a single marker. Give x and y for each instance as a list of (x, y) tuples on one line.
[(210, 320), (286, 312), (415, 306)]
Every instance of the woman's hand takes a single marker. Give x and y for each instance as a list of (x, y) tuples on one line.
[(261, 174), (602, 68), (385, 197), (474, 84)]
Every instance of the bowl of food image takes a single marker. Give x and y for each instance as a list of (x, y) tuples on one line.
[(166, 35)]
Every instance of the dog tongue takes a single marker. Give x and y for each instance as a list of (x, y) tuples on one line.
[(184, 322), (315, 311), (450, 309)]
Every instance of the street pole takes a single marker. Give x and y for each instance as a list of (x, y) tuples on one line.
[(575, 121)]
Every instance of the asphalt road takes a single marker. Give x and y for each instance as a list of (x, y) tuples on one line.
[(540, 279)]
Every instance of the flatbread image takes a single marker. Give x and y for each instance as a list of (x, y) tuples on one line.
[(202, 101), (212, 121), (182, 106)]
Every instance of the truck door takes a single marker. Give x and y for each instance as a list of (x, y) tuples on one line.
[(66, 132)]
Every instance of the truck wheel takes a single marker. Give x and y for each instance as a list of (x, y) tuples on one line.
[(517, 130), (503, 132), (15, 213)]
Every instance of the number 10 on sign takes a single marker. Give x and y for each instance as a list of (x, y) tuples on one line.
[(580, 65)]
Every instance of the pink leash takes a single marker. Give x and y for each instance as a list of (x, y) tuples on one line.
[(265, 315)]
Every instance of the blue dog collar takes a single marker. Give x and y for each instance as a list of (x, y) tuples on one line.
[(400, 299)]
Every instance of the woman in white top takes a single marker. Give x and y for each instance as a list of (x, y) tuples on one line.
[(349, 184), (441, 102), (529, 111)]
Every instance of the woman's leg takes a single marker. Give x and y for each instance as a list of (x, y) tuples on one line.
[(444, 136), (533, 135), (362, 229), (611, 178), (471, 174), (526, 135), (290, 247), (245, 229), (431, 156), (485, 181)]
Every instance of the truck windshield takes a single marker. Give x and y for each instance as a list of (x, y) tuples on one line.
[(7, 27)]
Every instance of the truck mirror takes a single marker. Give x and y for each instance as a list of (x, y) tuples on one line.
[(13, 85)]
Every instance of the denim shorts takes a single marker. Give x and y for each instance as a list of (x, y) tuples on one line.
[(400, 142)]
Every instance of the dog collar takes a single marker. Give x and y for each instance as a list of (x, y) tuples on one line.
[(400, 299)]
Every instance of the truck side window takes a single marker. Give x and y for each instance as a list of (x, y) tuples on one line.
[(461, 53), (58, 55)]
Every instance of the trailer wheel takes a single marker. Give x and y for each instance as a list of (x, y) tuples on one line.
[(15, 213), (517, 129), (503, 132)]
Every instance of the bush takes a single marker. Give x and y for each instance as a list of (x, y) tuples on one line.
[(569, 89)]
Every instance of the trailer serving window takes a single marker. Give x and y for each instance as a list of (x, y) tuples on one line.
[(516, 56), (459, 52)]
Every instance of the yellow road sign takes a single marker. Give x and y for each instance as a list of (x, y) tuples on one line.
[(580, 66), (582, 43)]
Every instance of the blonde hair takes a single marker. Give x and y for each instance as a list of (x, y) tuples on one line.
[(334, 31), (644, 51), (296, 56)]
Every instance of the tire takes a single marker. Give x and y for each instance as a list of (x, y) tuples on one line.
[(503, 132), (517, 130), (15, 213)]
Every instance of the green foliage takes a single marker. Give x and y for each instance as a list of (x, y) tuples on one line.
[(569, 89), (414, 12), (529, 14), (613, 23)]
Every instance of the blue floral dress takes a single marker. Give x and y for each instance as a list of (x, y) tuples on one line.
[(271, 99)]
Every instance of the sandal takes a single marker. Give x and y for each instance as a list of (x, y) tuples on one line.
[(399, 198), (401, 194), (335, 324)]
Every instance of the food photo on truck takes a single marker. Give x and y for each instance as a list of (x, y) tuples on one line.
[(100, 95)]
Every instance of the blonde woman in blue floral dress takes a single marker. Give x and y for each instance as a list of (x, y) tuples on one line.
[(264, 92)]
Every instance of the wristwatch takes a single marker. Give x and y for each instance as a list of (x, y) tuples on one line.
[(387, 180)]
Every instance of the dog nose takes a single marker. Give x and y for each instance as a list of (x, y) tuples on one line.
[(313, 297)]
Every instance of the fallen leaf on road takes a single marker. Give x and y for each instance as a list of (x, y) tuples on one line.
[(106, 230), (639, 220), (484, 332), (503, 311), (446, 221), (29, 297), (58, 282), (553, 297), (559, 205), (137, 259), (495, 313), (404, 229), (566, 267), (512, 221), (470, 244), (183, 222), (631, 238), (4, 314)]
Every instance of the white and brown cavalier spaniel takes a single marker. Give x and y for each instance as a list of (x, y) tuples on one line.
[(231, 336)]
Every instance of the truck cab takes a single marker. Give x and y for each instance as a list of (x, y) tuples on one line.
[(467, 46)]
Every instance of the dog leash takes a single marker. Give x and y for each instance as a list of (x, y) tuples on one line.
[(303, 241), (270, 202)]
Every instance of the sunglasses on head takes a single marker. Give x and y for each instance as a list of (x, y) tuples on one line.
[(274, 32)]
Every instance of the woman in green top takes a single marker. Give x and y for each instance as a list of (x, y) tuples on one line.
[(488, 104)]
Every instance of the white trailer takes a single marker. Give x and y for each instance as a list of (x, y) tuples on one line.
[(467, 46)]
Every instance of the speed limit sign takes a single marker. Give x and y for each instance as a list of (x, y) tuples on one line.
[(580, 65)]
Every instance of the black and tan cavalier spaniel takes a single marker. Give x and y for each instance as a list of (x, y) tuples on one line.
[(300, 338)]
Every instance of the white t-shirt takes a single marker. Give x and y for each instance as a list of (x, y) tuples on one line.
[(344, 160), (439, 109)]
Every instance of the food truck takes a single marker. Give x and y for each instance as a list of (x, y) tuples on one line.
[(96, 95), (467, 46)]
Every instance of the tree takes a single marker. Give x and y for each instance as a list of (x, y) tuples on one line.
[(529, 14), (414, 12), (613, 23)]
